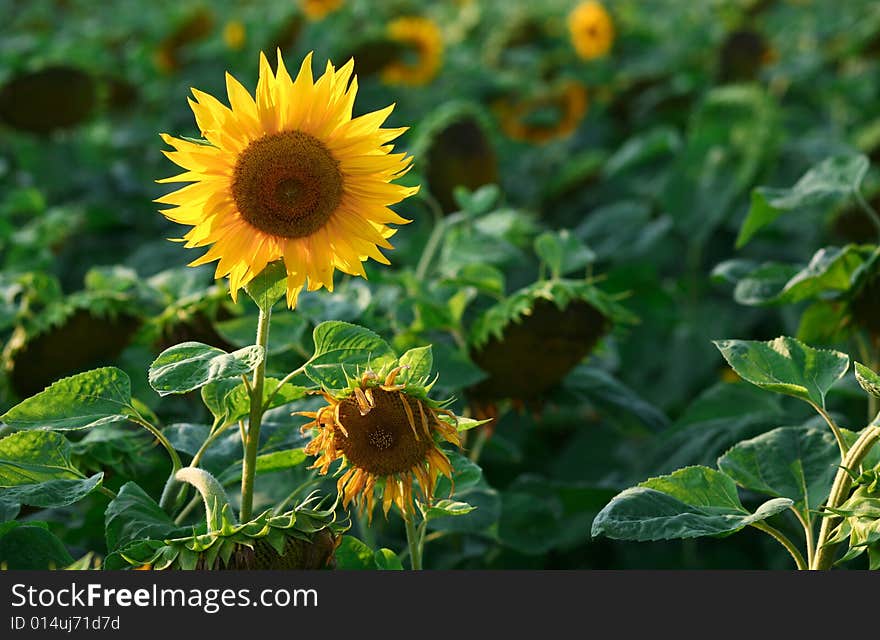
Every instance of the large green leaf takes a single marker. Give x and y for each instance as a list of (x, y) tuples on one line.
[(830, 270), (191, 365), (35, 469), (266, 463), (837, 176), (789, 462), (691, 502), (88, 399), (710, 425), (30, 545), (133, 515), (341, 349), (786, 366)]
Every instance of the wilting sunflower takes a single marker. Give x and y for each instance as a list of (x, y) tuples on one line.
[(382, 432), (423, 41), (319, 9), (547, 116), (591, 29), (289, 176)]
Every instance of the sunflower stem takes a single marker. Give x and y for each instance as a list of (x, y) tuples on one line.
[(824, 555), (252, 435), (412, 539), (433, 240)]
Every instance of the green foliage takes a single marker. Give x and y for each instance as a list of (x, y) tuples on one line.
[(36, 469), (691, 502), (90, 399), (839, 176), (192, 365), (786, 366)]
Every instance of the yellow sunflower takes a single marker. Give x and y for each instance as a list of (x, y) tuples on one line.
[(422, 38), (591, 29), (289, 176), (319, 9), (548, 116), (234, 35), (381, 431)]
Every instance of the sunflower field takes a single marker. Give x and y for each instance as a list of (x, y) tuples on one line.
[(461, 284)]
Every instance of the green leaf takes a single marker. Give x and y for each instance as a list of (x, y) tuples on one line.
[(214, 396), (35, 469), (31, 546), (89, 399), (354, 554), (830, 270), (133, 515), (691, 502), (8, 510), (341, 350), (868, 380), (418, 361), (658, 142), (191, 365), (237, 403), (798, 463), (711, 424), (837, 176), (266, 463), (386, 559), (786, 366), (447, 508), (269, 286), (563, 252)]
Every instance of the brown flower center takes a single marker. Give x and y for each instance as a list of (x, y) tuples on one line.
[(287, 184), (382, 442)]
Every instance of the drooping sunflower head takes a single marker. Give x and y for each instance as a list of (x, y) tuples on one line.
[(552, 114), (384, 434), (591, 30), (290, 176), (422, 52), (531, 340), (319, 9), (455, 146)]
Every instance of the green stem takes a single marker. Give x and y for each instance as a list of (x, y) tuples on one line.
[(197, 458), (784, 541), (252, 436), (872, 213), (433, 240), (172, 452), (838, 435), (824, 556), (283, 381), (107, 492), (412, 539), (482, 436), (807, 524)]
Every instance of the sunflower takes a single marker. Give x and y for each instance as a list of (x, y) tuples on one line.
[(289, 176), (591, 29), (382, 431), (422, 38), (553, 114), (319, 9), (234, 35)]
